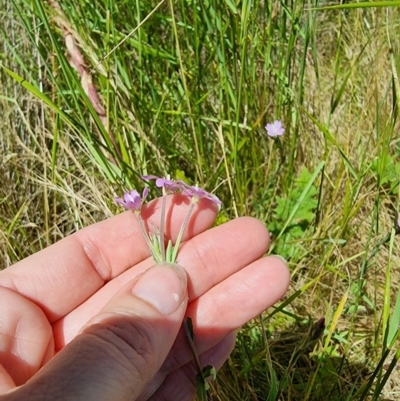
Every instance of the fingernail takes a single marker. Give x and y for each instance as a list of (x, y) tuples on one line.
[(281, 258), (163, 286)]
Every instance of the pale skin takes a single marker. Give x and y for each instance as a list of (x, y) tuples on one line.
[(76, 322)]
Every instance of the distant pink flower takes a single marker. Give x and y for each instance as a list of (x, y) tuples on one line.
[(133, 200), (275, 129)]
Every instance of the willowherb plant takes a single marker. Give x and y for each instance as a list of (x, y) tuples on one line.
[(156, 242)]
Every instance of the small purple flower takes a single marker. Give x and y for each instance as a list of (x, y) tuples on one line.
[(275, 129), (166, 183), (133, 200), (195, 193)]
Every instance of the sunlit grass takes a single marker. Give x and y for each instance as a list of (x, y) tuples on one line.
[(188, 92)]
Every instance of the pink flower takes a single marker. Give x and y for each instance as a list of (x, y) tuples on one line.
[(133, 200), (195, 193), (275, 129), (169, 185)]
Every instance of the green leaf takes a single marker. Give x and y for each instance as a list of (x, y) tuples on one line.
[(202, 386), (388, 173), (40, 95), (201, 390), (368, 4), (274, 386), (209, 372), (394, 323), (295, 211), (299, 206)]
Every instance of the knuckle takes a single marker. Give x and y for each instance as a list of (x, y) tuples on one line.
[(132, 344)]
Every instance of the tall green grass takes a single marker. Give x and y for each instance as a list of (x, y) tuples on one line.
[(187, 87)]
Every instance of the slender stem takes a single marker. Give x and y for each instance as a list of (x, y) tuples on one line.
[(182, 230), (162, 228), (146, 238), (192, 347)]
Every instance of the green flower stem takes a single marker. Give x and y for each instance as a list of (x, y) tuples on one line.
[(162, 228), (180, 235), (153, 252)]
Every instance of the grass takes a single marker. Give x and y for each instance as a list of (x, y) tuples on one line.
[(188, 92)]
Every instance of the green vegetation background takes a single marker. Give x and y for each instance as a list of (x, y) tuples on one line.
[(186, 87)]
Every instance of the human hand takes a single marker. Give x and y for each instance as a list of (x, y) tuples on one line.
[(79, 320)]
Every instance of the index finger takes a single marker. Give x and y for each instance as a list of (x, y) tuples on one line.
[(64, 275)]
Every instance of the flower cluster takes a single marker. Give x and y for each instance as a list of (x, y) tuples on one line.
[(156, 242), (133, 200)]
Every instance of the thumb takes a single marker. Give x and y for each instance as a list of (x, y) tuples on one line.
[(122, 348)]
